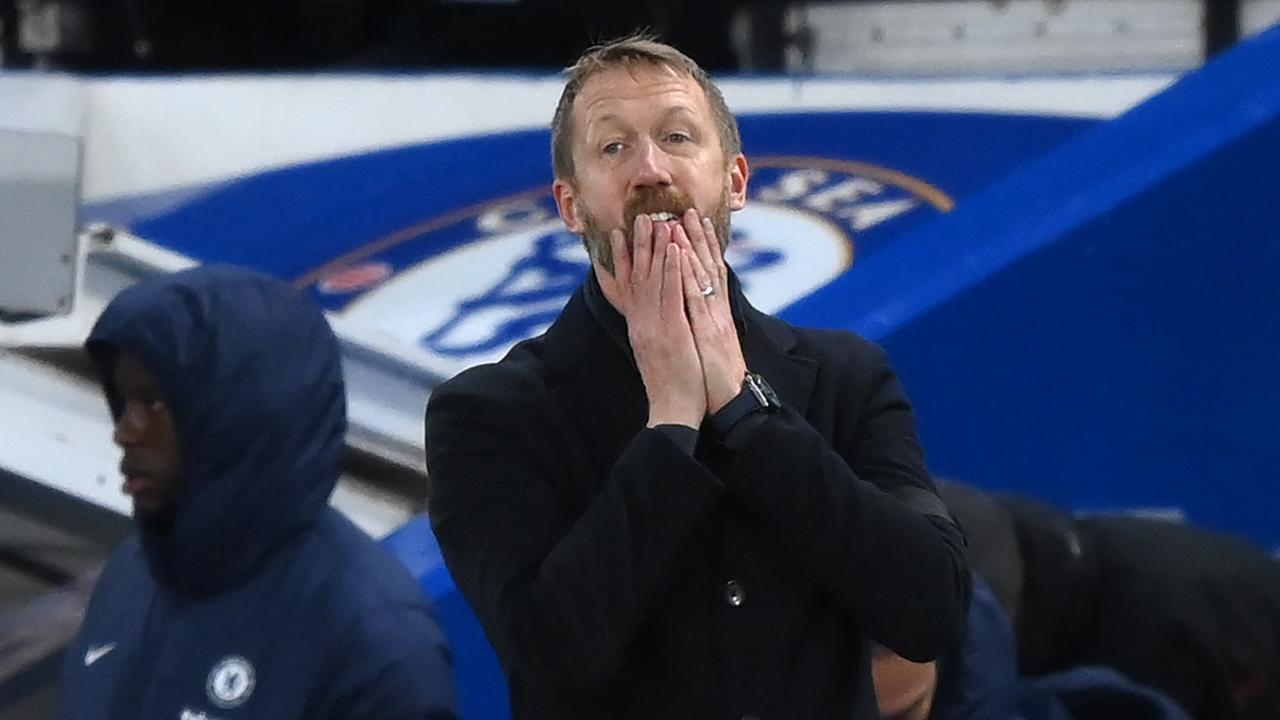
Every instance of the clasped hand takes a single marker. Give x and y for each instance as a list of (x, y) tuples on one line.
[(683, 336)]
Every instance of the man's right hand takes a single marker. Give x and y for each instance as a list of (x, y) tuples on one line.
[(650, 281)]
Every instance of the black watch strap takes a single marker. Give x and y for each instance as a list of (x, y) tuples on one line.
[(756, 396)]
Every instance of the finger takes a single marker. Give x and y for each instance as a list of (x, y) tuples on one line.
[(700, 274), (680, 237), (621, 256), (672, 287), (661, 239), (695, 302), (641, 248), (701, 240), (717, 253)]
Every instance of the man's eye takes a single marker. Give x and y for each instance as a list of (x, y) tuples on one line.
[(612, 148), (678, 137), (148, 401)]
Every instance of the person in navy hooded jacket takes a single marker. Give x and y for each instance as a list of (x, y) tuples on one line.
[(242, 594)]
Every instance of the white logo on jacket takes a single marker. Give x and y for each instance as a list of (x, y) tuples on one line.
[(95, 653), (230, 682)]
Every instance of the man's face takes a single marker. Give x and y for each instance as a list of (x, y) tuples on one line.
[(146, 433), (645, 141)]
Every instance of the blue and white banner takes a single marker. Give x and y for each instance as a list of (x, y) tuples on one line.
[(455, 247), (973, 227)]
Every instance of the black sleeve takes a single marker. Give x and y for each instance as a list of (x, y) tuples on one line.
[(992, 543), (682, 436), (560, 592), (861, 513)]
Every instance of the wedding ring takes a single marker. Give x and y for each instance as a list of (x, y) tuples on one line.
[(708, 291)]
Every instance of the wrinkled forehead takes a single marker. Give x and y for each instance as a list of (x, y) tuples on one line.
[(637, 92)]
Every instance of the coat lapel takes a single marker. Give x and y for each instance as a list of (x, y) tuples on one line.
[(595, 384), (768, 344)]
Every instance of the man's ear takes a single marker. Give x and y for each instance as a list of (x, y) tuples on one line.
[(567, 204), (739, 174)]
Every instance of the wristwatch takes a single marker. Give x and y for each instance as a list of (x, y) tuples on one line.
[(756, 396)]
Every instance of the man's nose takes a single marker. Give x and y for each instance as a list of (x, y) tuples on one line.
[(651, 166), (129, 426)]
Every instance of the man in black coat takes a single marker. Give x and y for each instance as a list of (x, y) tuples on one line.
[(670, 504)]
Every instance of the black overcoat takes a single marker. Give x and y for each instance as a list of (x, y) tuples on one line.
[(620, 577)]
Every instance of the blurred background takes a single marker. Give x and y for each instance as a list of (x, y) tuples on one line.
[(1058, 216), (880, 36)]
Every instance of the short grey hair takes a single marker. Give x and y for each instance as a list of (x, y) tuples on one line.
[(628, 52)]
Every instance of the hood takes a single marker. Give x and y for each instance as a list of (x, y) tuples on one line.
[(252, 375)]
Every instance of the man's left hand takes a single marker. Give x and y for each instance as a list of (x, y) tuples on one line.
[(710, 315)]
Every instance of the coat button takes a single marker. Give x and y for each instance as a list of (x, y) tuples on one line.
[(734, 595)]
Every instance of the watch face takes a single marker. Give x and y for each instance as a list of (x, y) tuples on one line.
[(763, 392)]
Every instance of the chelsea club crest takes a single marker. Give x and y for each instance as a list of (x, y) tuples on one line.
[(230, 682), (467, 286)]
